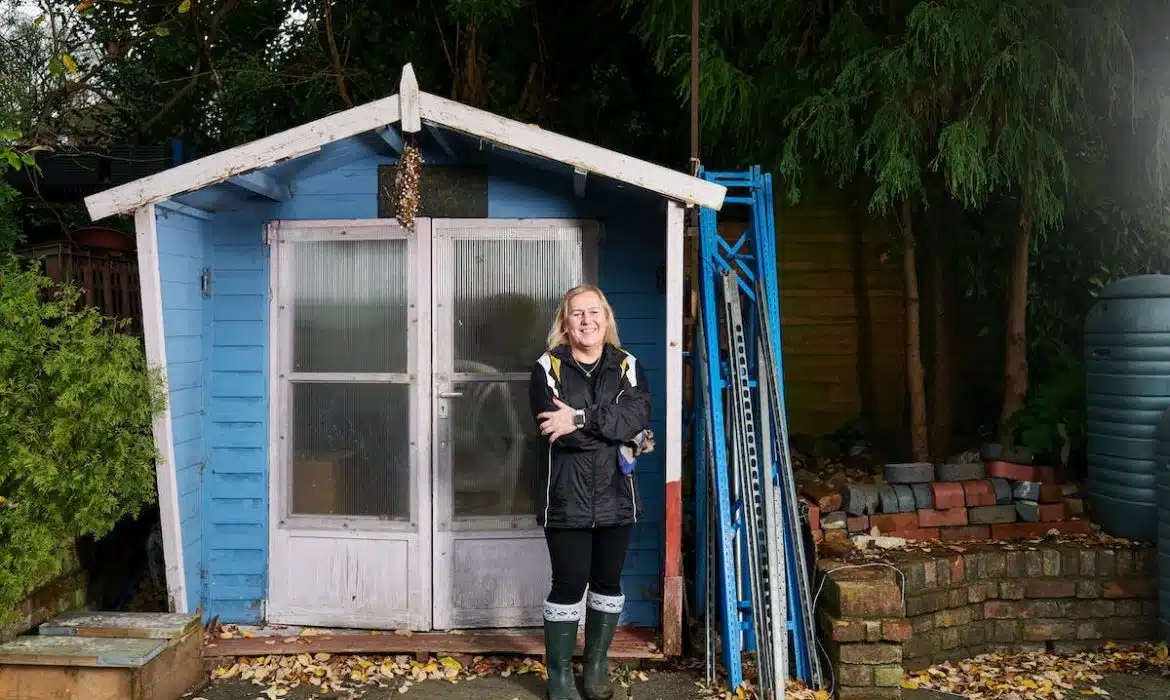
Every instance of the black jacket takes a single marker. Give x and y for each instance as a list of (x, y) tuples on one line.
[(581, 484)]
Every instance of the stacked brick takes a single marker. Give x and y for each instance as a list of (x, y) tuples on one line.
[(1002, 497), (878, 623)]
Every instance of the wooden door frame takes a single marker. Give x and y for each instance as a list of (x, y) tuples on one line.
[(445, 533), (418, 374)]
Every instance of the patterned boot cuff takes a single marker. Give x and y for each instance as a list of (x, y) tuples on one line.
[(606, 603), (557, 612)]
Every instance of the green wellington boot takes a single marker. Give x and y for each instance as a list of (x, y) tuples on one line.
[(560, 639), (601, 621)]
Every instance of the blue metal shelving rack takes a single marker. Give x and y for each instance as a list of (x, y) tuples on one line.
[(753, 257)]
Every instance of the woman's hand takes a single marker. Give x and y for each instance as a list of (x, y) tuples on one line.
[(558, 423)]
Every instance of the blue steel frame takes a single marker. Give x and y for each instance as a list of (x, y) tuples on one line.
[(754, 257)]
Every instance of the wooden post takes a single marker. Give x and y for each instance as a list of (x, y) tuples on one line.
[(150, 284), (672, 584)]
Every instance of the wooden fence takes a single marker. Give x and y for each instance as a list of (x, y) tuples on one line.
[(107, 279), (842, 317)]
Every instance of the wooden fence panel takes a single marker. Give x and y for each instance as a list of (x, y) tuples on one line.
[(107, 279)]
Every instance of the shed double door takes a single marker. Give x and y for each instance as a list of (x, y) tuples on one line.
[(404, 456)]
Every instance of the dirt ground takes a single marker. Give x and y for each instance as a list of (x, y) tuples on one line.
[(660, 686)]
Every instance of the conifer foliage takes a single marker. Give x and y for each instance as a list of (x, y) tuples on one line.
[(76, 406), (921, 104)]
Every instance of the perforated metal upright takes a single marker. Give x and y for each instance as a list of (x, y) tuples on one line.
[(725, 449)]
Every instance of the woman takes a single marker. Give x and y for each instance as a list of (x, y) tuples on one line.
[(592, 404)]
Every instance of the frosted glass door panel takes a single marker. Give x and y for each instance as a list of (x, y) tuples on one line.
[(350, 306), (495, 449), (348, 456), (506, 292), (350, 391)]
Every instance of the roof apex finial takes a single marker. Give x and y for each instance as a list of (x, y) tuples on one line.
[(408, 110)]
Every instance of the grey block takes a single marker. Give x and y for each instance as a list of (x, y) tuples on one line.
[(991, 515), (1016, 454), (972, 471), (909, 473), (889, 499), (1026, 491), (1003, 491), (833, 521), (856, 498), (905, 496), (923, 496), (1029, 511)]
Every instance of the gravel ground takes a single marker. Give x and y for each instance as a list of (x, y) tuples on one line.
[(661, 686)]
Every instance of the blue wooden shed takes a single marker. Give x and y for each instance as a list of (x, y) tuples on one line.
[(347, 441)]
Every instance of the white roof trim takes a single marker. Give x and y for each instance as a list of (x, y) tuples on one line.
[(307, 138), (261, 153), (672, 184)]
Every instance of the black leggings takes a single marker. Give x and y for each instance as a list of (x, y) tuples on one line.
[(579, 557)]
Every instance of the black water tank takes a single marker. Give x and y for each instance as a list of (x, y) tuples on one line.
[(1163, 459), (1127, 380)]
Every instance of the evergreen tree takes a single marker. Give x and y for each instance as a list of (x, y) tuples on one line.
[(972, 100)]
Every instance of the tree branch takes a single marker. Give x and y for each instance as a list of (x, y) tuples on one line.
[(178, 96), (335, 56), (204, 41)]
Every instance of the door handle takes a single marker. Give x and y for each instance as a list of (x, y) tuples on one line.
[(450, 394)]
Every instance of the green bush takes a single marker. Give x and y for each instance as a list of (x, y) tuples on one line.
[(76, 408)]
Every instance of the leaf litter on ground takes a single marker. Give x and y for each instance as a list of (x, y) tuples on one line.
[(1040, 675), (347, 673), (793, 690), (353, 674)]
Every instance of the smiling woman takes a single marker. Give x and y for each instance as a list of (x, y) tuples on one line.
[(592, 402)]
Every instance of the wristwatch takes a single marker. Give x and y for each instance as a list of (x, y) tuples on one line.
[(579, 418)]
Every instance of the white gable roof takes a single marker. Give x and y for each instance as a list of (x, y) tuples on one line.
[(410, 107)]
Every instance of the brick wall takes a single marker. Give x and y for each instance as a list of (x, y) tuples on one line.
[(880, 622), (65, 593)]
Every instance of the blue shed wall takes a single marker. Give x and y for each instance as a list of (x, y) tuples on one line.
[(181, 259), (236, 493)]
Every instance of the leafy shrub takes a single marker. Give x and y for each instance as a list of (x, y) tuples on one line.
[(76, 408), (1053, 422)]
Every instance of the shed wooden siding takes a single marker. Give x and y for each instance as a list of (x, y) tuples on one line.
[(236, 492), (841, 318), (181, 258)]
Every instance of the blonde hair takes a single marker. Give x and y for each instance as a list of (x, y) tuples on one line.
[(557, 335)]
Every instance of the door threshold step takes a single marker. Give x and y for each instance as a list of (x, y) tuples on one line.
[(629, 643)]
